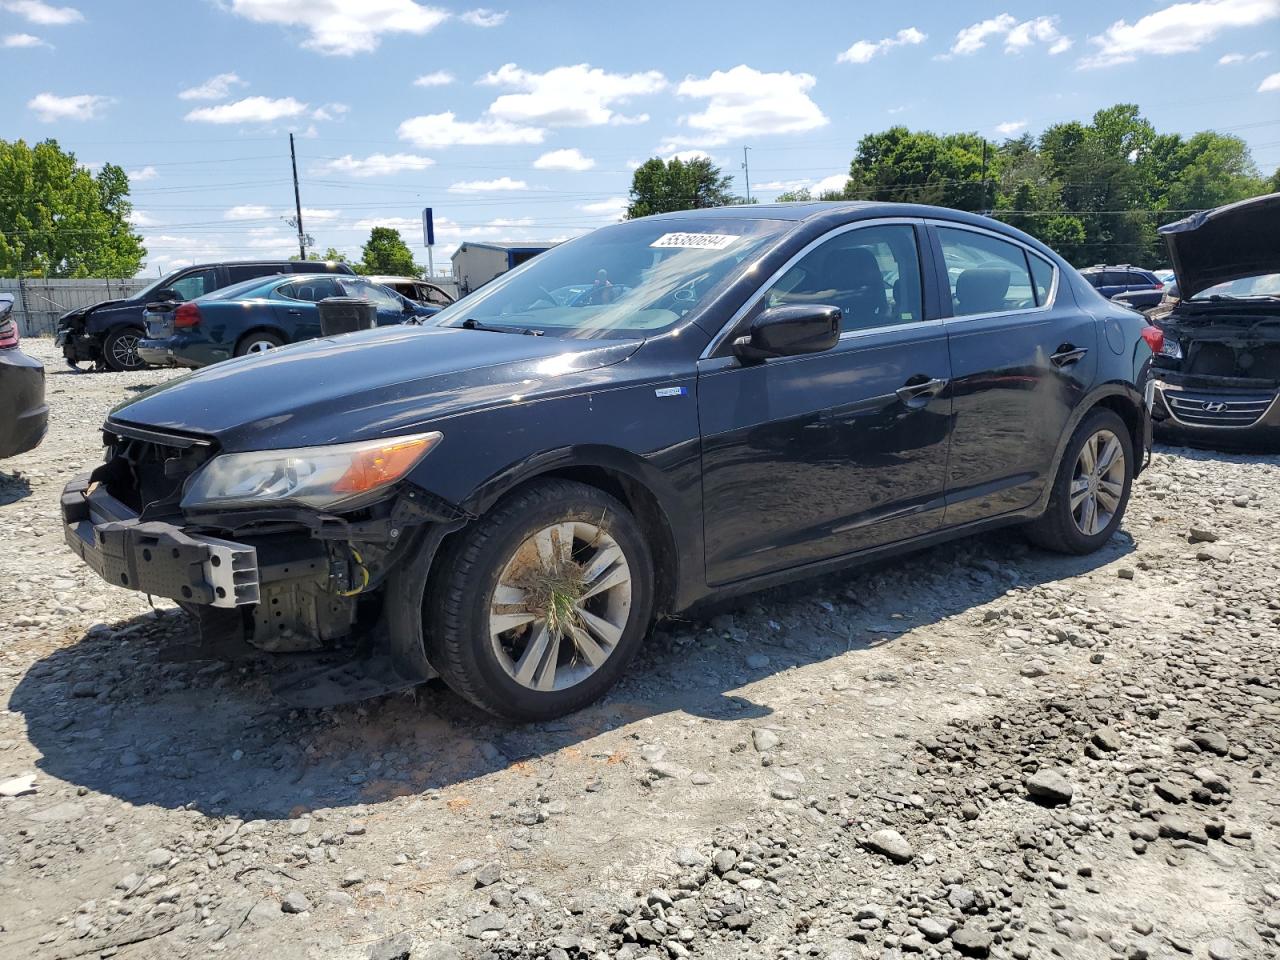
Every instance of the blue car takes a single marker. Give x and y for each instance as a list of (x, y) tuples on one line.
[(259, 315)]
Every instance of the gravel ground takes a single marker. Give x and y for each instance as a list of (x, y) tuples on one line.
[(981, 750)]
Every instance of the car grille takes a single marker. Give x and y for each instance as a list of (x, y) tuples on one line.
[(1217, 410), (146, 469)]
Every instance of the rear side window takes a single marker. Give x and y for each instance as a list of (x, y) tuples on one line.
[(1041, 277), (311, 290), (196, 284), (437, 298), (248, 271), (986, 274)]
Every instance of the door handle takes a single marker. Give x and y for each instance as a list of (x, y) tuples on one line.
[(295, 313), (1068, 353), (919, 390)]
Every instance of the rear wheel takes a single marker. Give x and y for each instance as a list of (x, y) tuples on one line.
[(541, 603), (120, 350), (1092, 488), (257, 342)]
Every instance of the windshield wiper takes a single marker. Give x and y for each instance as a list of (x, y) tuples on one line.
[(471, 323)]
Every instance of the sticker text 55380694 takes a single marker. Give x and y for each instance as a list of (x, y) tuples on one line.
[(695, 241)]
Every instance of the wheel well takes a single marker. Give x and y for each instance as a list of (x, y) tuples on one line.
[(644, 507), (1132, 417), (260, 329)]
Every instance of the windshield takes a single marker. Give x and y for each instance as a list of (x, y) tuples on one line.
[(630, 280), (1266, 285), (237, 290)]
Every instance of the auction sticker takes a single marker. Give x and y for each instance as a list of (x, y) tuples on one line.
[(696, 241)]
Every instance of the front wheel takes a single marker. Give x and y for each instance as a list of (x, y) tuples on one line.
[(120, 350), (539, 605), (1092, 488)]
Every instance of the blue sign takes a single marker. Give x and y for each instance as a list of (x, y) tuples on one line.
[(428, 227)]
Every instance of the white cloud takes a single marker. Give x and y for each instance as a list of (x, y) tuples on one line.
[(670, 153), (770, 185), (140, 218), (377, 164), (250, 110), (1018, 36), (570, 158), (484, 17), (25, 40), (1179, 28), (49, 107), (215, 88), (437, 78), (613, 207), (745, 102), (143, 175), (507, 222), (1230, 58), (344, 27), (248, 211), (829, 184), (310, 213), (863, 50), (488, 186), (1270, 85), (330, 111), (403, 224), (573, 96), (445, 130), (1011, 127), (42, 13)]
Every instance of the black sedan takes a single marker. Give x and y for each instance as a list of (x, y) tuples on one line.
[(508, 498), (24, 416), (259, 315)]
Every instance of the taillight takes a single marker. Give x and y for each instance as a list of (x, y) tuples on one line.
[(1157, 286), (1154, 337), (187, 315), (8, 334)]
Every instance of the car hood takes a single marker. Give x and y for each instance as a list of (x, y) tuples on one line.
[(85, 311), (375, 383), (1228, 243)]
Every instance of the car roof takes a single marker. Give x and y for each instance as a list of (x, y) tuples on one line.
[(387, 278)]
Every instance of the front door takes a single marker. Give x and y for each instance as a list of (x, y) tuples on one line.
[(812, 457), (1023, 355)]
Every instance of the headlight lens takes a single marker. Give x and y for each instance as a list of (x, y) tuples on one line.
[(310, 476), (1171, 349)]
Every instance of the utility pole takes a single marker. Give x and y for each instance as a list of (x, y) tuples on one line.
[(746, 173), (297, 200), (984, 176)]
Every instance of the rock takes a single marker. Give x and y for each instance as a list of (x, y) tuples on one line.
[(935, 929), (665, 770), (1049, 787), (1216, 552), (892, 844), (757, 661), (159, 857), (764, 740), (493, 920), (962, 898), (488, 874), (264, 913), (1211, 742), (353, 878), (398, 947), (1106, 739), (19, 786), (971, 941), (1201, 535), (1034, 668), (1221, 949), (724, 860), (295, 902)]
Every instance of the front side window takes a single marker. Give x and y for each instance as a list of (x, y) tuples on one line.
[(634, 279), (872, 274), (194, 285), (986, 274)]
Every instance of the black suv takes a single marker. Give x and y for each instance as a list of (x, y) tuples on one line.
[(1137, 288), (508, 497), (107, 333)]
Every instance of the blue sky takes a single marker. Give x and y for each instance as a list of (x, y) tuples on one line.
[(524, 121)]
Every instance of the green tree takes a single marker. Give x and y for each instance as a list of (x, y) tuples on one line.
[(661, 187), (331, 254), (387, 253), (792, 196), (59, 220), (1273, 185), (901, 165)]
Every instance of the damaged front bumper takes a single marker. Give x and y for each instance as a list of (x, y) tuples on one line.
[(1215, 411)]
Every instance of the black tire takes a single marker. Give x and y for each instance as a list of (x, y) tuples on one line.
[(468, 570), (1057, 528), (245, 343), (120, 350)]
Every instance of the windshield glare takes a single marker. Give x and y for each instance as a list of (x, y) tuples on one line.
[(1266, 285), (629, 280)]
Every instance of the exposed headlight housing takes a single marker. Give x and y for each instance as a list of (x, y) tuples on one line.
[(322, 477), (1171, 348)]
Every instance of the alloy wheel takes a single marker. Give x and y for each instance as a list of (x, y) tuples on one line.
[(1097, 484), (124, 351), (259, 346), (560, 606)]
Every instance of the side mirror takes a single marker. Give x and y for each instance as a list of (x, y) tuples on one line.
[(788, 331), (163, 294)]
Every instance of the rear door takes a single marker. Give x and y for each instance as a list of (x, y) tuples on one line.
[(1023, 356), (811, 457), (296, 305)]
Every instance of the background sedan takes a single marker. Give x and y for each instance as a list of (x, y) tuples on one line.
[(260, 315)]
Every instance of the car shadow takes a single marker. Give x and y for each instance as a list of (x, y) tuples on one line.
[(13, 487), (113, 714)]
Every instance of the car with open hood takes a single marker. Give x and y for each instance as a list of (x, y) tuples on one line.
[(510, 496), (1217, 373)]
